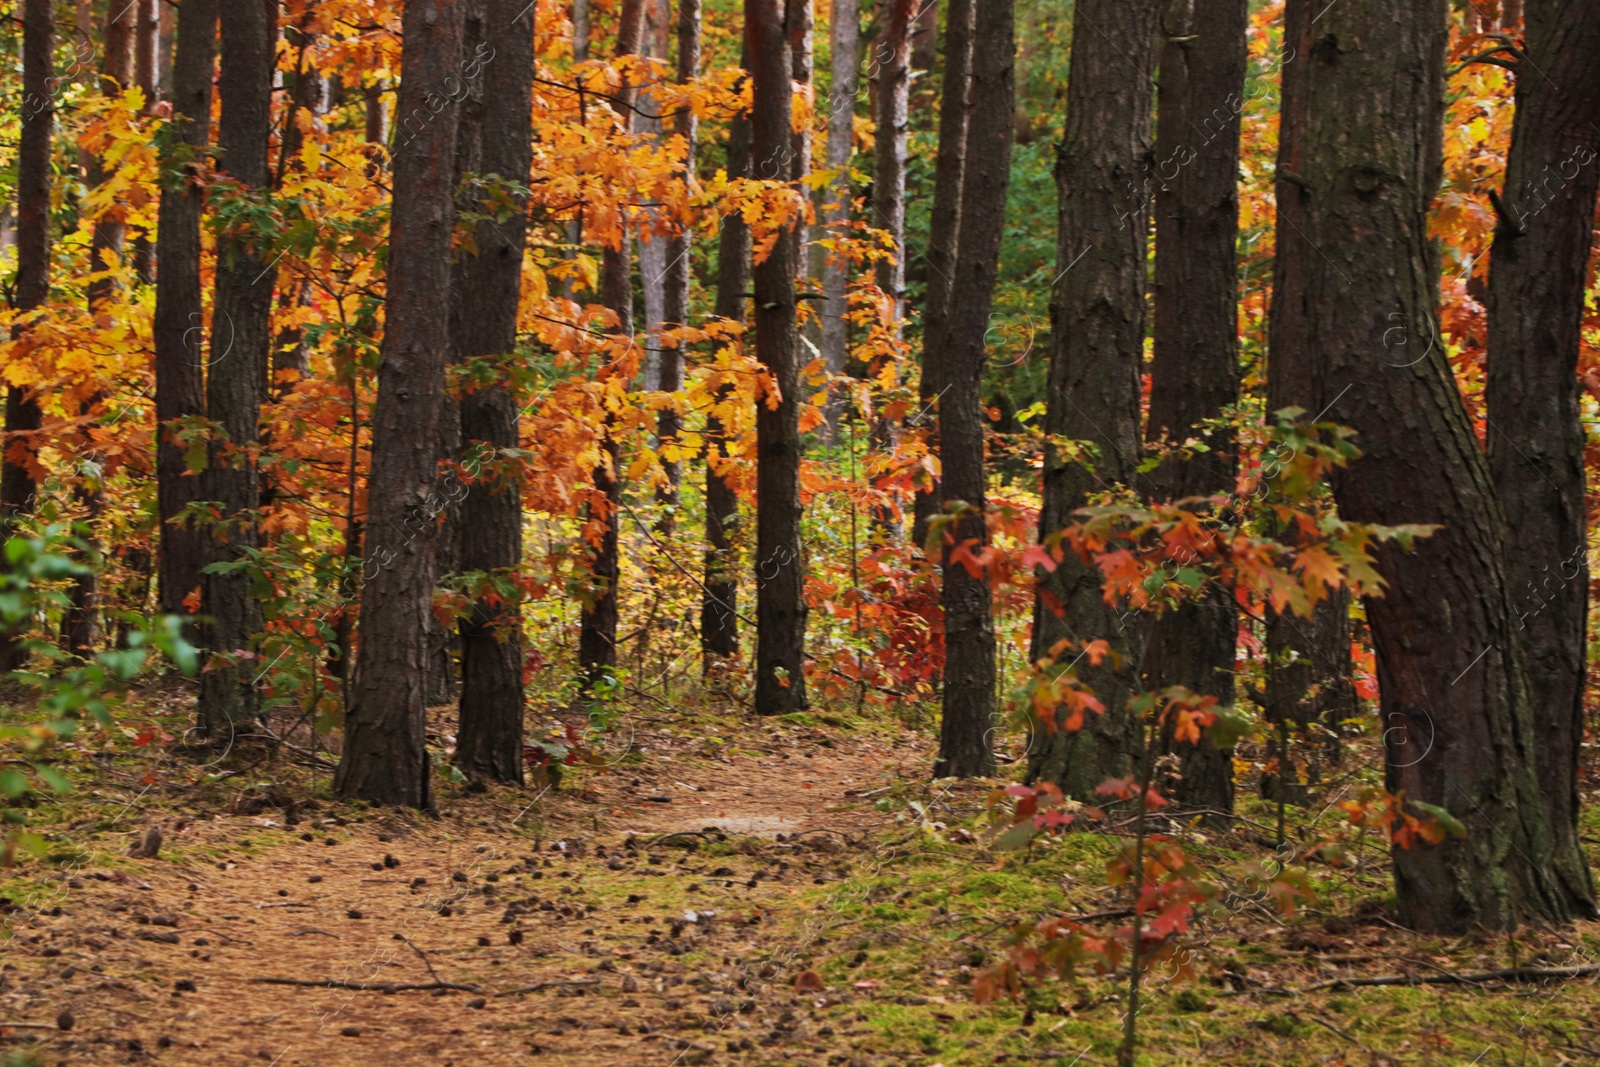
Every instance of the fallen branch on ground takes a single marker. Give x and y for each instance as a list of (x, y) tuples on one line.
[(374, 987)]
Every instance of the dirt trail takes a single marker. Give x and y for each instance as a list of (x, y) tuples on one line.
[(579, 937)]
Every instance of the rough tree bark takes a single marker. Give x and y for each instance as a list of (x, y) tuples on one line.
[(1195, 369), (966, 744), (1097, 316), (597, 636), (178, 328), (1456, 705), (676, 304), (944, 235), (489, 741), (800, 26), (236, 372), (719, 619), (780, 564), (385, 757), (1538, 271), (18, 489), (1309, 691)]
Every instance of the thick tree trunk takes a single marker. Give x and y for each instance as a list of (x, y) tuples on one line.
[(894, 126), (780, 563), (1097, 316), (385, 758), (18, 489), (966, 743), (1456, 704), (1309, 691), (944, 235), (179, 321), (489, 741), (597, 637), (833, 201), (1536, 437), (235, 374), (1195, 370), (719, 619), (925, 36), (676, 307)]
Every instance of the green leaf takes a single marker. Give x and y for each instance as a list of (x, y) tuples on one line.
[(1442, 816), (13, 783), (1016, 837), (53, 778)]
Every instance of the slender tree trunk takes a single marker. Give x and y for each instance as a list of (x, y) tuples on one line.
[(925, 36), (1195, 370), (308, 103), (18, 489), (166, 44), (800, 26), (385, 757), (375, 117), (647, 121), (833, 201), (1456, 704), (676, 313), (944, 235), (1097, 316), (966, 744), (80, 622), (489, 742), (597, 637), (719, 621), (893, 121), (1536, 436), (1309, 691), (179, 326), (236, 373), (780, 564)]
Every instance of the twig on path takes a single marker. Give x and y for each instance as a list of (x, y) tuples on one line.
[(425, 961), (550, 983), (29, 1026), (324, 933), (1505, 974), (374, 987)]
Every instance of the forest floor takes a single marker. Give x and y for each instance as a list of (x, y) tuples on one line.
[(726, 891)]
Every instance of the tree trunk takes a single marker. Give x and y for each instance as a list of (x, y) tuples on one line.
[(236, 373), (1456, 705), (944, 233), (18, 489), (80, 622), (1097, 316), (780, 564), (889, 164), (1195, 370), (178, 328), (719, 619), (597, 637), (833, 201), (1309, 691), (385, 758), (925, 37), (1536, 436), (966, 743), (489, 741), (676, 308), (146, 74), (800, 27)]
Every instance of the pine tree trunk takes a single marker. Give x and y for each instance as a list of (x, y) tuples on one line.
[(235, 375), (944, 235), (1309, 691), (597, 637), (1536, 436), (1456, 704), (780, 563), (966, 743), (385, 757), (1097, 316), (719, 620), (178, 327), (1195, 369), (18, 489), (800, 27), (676, 308), (489, 741), (833, 202)]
